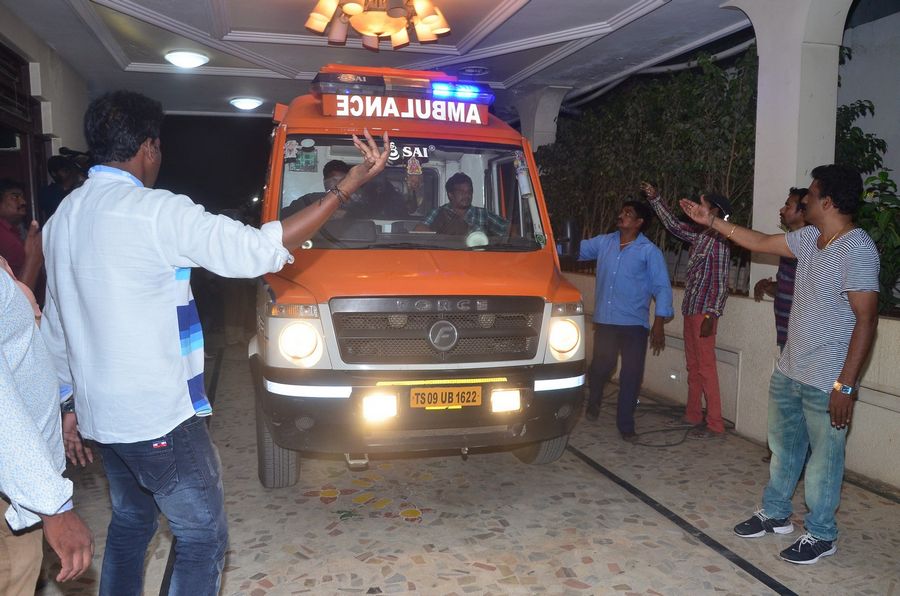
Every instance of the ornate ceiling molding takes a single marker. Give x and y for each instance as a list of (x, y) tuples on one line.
[(145, 15)]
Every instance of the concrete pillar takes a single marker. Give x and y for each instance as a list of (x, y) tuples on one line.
[(797, 42), (538, 112)]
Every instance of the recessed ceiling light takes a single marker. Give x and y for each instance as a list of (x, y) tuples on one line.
[(246, 103), (185, 59)]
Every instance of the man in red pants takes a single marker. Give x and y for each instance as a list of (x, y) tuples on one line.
[(705, 292)]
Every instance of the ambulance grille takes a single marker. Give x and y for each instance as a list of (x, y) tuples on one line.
[(396, 330)]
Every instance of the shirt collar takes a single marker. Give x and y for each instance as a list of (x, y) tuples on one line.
[(121, 174)]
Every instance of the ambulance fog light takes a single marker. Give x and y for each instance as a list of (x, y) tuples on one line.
[(505, 400), (379, 406)]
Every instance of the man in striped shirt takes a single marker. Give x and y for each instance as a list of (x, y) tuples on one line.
[(705, 292), (813, 389), (782, 289)]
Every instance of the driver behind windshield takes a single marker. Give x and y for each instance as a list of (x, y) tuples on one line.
[(458, 216)]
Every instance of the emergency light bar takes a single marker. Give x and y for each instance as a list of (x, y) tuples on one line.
[(350, 80)]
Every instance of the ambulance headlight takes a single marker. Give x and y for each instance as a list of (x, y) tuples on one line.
[(301, 343), (564, 335)]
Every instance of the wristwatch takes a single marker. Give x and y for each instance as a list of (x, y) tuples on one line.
[(845, 389)]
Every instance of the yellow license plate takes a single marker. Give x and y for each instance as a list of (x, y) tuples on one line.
[(444, 397)]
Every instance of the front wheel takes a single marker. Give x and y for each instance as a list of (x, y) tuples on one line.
[(543, 452), (278, 467)]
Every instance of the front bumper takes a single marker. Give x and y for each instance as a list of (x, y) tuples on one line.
[(322, 411)]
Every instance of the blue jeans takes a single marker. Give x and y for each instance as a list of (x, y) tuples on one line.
[(609, 342), (798, 421), (179, 474)]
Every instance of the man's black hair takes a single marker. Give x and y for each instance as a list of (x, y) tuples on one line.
[(9, 184), (719, 201), (457, 179), (117, 123), (842, 184), (60, 163), (642, 210), (798, 192), (335, 165)]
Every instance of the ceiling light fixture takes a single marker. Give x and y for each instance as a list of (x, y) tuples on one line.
[(186, 59), (246, 103), (374, 19)]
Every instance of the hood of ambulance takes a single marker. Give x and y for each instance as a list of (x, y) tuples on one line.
[(317, 276)]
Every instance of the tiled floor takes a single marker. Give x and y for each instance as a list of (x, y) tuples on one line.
[(492, 525)]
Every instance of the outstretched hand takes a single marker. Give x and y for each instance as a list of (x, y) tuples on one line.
[(648, 190), (762, 288), (697, 211), (373, 162)]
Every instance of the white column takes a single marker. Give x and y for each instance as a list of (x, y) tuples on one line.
[(797, 42), (538, 112)]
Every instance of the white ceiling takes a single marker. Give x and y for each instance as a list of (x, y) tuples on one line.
[(261, 48)]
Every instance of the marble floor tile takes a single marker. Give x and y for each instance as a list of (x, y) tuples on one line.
[(438, 524)]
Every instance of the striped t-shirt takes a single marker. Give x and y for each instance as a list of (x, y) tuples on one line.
[(822, 321)]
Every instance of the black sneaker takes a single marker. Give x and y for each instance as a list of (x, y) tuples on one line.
[(761, 524), (808, 550), (592, 413)]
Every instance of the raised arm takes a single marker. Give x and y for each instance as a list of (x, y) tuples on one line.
[(773, 244), (299, 227), (672, 224)]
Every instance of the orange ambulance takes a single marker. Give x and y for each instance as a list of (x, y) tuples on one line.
[(401, 326)]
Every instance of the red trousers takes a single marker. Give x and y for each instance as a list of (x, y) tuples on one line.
[(703, 378)]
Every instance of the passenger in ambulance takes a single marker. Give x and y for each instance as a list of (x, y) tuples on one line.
[(380, 200), (458, 216), (333, 172)]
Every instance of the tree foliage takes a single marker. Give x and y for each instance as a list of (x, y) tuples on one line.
[(695, 131), (686, 132)]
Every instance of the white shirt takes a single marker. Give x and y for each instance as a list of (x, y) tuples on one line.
[(120, 319), (31, 448)]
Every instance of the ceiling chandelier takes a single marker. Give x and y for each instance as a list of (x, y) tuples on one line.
[(374, 19)]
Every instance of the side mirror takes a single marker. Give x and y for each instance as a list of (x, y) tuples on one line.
[(569, 241)]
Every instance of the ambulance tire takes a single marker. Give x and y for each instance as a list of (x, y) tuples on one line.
[(543, 452), (278, 467)]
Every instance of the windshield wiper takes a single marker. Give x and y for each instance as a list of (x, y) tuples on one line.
[(406, 245), (512, 246)]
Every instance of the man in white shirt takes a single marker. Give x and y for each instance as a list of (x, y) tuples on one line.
[(123, 329), (31, 453)]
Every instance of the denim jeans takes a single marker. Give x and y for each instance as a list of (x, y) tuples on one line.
[(609, 342), (798, 421), (180, 475)]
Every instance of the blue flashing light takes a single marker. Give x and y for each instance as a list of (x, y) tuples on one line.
[(442, 90), (467, 92)]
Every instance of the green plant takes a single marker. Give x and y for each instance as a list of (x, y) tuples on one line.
[(862, 150), (685, 132), (879, 216), (880, 210)]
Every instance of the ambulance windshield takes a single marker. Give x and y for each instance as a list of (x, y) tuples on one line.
[(442, 195)]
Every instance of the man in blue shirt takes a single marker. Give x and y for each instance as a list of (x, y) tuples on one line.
[(630, 270)]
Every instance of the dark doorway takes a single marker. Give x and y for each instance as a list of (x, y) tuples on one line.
[(219, 162), (22, 155)]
